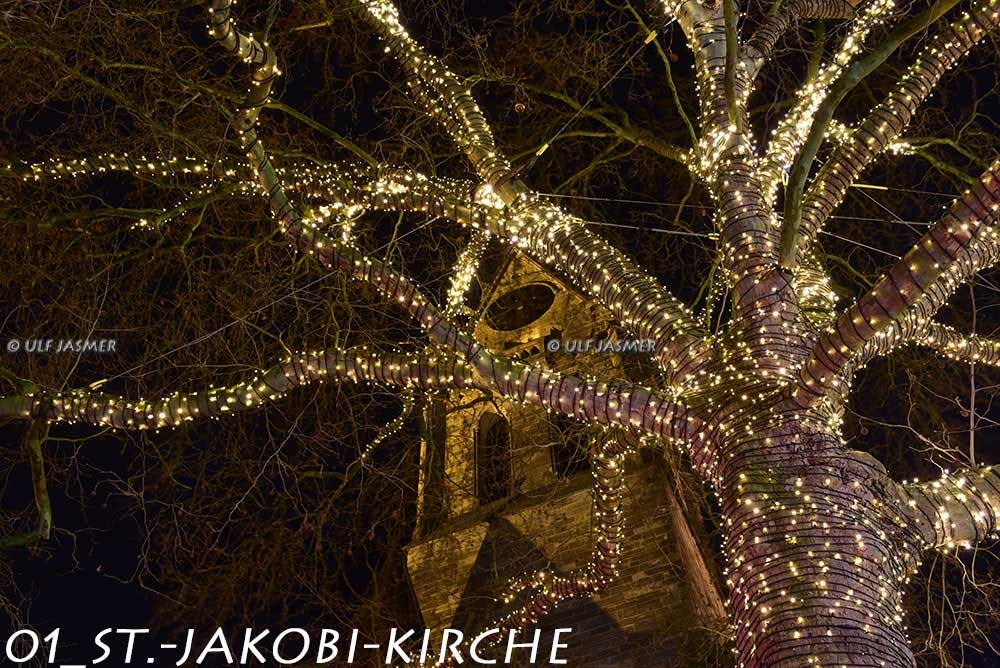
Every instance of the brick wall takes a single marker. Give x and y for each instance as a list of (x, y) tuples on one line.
[(641, 620)]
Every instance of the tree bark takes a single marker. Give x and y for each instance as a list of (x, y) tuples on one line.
[(816, 555)]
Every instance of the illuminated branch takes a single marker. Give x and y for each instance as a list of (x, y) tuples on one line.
[(551, 235), (393, 426), (107, 162), (261, 57), (966, 348), (445, 97), (340, 185), (609, 403), (464, 271), (91, 407), (823, 115), (705, 29), (793, 129), (914, 327), (307, 235), (759, 47), (888, 120), (926, 267), (725, 156), (960, 509), (915, 322)]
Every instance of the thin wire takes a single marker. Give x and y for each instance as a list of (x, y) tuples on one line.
[(989, 283), (885, 208), (208, 335), (627, 201), (983, 281), (871, 186), (858, 243), (660, 230), (709, 208), (649, 38), (712, 236)]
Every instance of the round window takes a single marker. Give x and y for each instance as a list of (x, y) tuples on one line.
[(520, 307)]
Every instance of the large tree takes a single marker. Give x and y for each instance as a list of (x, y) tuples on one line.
[(819, 540)]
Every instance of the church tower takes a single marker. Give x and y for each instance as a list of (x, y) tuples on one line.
[(506, 488)]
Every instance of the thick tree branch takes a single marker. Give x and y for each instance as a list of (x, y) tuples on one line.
[(971, 219), (911, 325), (610, 403), (759, 47), (960, 509), (425, 371)]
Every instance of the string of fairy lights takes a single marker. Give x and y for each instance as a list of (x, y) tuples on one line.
[(969, 222), (881, 128), (788, 137), (545, 589), (816, 551)]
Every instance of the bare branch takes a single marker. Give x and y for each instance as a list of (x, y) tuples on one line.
[(732, 54), (34, 438)]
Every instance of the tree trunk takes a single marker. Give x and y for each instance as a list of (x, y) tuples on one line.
[(815, 567)]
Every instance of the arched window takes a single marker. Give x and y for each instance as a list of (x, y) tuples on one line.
[(570, 443), (433, 504), (493, 460)]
